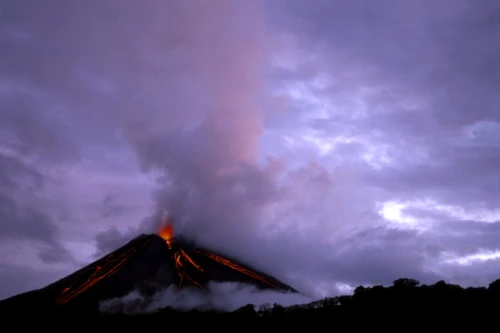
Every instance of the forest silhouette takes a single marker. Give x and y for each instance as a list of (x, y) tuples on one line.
[(404, 304)]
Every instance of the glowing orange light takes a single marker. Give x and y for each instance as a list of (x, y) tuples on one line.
[(179, 257), (111, 265), (167, 233), (236, 267)]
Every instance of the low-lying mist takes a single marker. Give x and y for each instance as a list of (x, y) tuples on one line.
[(226, 296)]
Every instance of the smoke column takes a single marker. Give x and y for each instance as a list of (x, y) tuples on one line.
[(201, 143)]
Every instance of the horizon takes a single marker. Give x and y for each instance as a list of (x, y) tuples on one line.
[(330, 144)]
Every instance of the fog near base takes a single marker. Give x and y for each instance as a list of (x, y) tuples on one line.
[(225, 296)]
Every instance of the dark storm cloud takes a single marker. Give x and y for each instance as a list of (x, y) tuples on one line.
[(380, 256), (22, 219), (25, 222), (467, 237), (434, 69), (426, 75), (32, 142), (110, 207), (28, 130), (54, 254), (111, 239), (22, 214)]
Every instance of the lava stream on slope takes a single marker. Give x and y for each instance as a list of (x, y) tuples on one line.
[(92, 275), (183, 260)]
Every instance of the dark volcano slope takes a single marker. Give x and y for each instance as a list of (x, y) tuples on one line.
[(219, 268), (146, 263), (142, 262)]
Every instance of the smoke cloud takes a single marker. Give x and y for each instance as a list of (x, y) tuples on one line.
[(196, 119), (205, 152), (199, 126), (221, 297)]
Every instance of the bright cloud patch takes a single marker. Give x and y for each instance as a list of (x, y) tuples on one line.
[(471, 258)]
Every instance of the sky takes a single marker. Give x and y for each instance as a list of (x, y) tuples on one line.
[(329, 143)]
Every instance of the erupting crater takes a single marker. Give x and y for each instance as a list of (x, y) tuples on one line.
[(181, 259), (184, 263)]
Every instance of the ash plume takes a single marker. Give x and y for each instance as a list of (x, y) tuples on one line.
[(205, 152), (201, 144)]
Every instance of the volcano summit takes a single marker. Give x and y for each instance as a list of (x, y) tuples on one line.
[(148, 263)]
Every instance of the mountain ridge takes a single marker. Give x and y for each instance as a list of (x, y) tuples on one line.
[(148, 263)]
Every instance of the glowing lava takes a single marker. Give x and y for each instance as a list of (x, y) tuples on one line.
[(112, 264), (236, 267), (181, 258), (167, 233)]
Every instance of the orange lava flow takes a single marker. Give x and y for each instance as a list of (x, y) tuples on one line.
[(111, 265), (237, 267), (179, 258), (191, 261)]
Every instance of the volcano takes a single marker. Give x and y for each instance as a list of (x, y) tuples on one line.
[(148, 263)]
